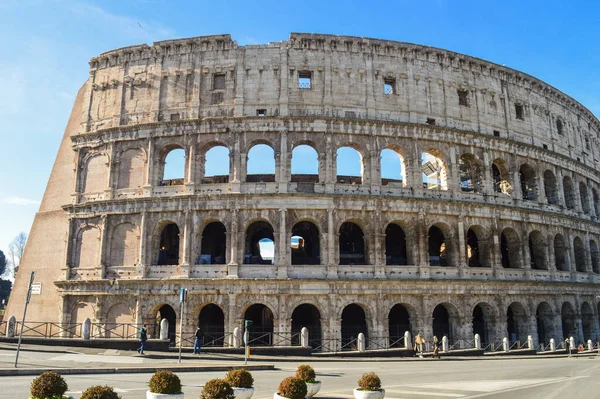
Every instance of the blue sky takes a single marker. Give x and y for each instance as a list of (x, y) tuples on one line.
[(46, 45)]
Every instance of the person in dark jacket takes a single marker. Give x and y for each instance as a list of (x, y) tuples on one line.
[(143, 339), (198, 341)]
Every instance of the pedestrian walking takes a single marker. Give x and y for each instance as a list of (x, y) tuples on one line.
[(436, 347), (143, 339), (568, 346), (198, 341)]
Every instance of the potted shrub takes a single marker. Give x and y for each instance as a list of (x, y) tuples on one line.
[(369, 387), (217, 389), (164, 384), (100, 392), (48, 385), (291, 388), (307, 374), (241, 382)]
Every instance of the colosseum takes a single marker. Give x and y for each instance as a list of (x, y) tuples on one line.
[(485, 222)]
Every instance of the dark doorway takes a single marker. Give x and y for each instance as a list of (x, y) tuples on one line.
[(353, 323), (306, 315), (441, 322), (398, 324), (438, 254), (166, 312), (261, 330), (212, 321)]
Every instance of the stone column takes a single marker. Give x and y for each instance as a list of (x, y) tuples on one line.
[(517, 192), (187, 244), (282, 247), (532, 330), (452, 178), (101, 269), (464, 328), (150, 165), (322, 167), (488, 179), (330, 165), (143, 262), (375, 171), (461, 257), (284, 163), (232, 268), (331, 247)]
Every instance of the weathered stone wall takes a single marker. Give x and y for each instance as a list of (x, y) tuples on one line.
[(530, 211)]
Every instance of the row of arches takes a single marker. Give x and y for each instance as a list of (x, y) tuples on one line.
[(306, 165), (483, 319)]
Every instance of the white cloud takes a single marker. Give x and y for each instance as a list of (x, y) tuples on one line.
[(20, 201)]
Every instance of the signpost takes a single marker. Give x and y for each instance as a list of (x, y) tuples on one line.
[(182, 299), (24, 313), (247, 324)]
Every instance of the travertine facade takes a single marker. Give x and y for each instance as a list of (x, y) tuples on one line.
[(501, 238)]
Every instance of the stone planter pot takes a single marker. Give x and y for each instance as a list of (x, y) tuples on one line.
[(358, 394), (312, 388), (243, 393), (152, 395)]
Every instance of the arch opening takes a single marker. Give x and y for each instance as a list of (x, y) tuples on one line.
[(433, 171), (595, 255), (307, 315), (354, 322), (174, 168), (305, 164), (580, 255), (516, 322), (349, 166), (545, 323), (569, 192), (168, 253), (395, 245), (501, 177), (260, 244), (131, 169), (537, 251), (211, 320), (438, 250), (473, 250), (261, 164), (583, 196), (561, 255), (216, 165), (528, 183), (213, 245), (398, 324), (166, 312), (596, 200), (483, 322), (443, 322), (587, 321), (470, 176), (393, 171), (510, 249), (352, 245), (261, 330), (550, 187), (567, 316), (305, 244)]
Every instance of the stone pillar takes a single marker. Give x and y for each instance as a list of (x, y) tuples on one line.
[(331, 246), (488, 179), (330, 165), (322, 166), (187, 244), (461, 257), (101, 268), (517, 191), (282, 247), (150, 164), (236, 162), (232, 267), (141, 267), (366, 168), (452, 178), (284, 163), (533, 331)]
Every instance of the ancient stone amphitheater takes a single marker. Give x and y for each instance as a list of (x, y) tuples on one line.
[(488, 226)]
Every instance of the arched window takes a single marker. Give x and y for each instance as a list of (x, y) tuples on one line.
[(483, 322), (95, 175), (216, 165), (168, 253), (569, 192), (398, 324), (349, 166), (510, 249), (596, 200), (433, 170), (537, 251), (132, 169), (561, 256), (353, 323), (528, 183), (305, 164), (213, 244), (307, 315), (124, 245), (352, 245), (469, 170), (475, 256), (550, 187), (595, 255), (305, 244), (393, 171), (261, 164), (545, 323), (559, 126), (501, 175), (260, 244), (517, 322), (261, 330), (580, 255), (569, 324), (583, 195), (438, 251), (395, 245), (174, 168)]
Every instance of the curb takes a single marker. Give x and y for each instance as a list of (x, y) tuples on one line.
[(132, 370)]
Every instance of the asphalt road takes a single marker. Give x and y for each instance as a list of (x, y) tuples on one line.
[(447, 378)]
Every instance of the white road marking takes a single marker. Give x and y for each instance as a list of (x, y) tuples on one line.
[(426, 393), (485, 385), (79, 358), (483, 395)]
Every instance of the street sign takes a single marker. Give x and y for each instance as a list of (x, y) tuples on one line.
[(36, 289), (182, 295)]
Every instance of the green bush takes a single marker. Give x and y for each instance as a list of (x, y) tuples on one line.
[(292, 388), (217, 389), (239, 378), (306, 373), (100, 392), (369, 382), (48, 385), (165, 381)]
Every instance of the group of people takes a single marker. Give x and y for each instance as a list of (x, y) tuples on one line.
[(199, 337), (420, 345)]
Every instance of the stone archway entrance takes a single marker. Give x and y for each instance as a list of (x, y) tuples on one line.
[(307, 315), (353, 323), (166, 312), (261, 330), (398, 324), (212, 321)]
